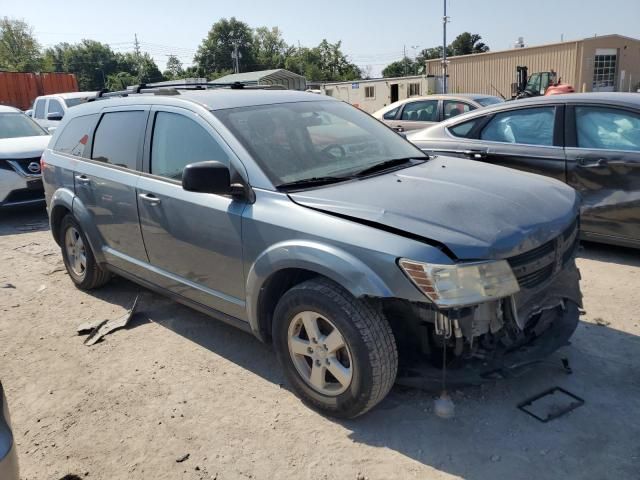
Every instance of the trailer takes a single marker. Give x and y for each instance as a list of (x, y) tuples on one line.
[(19, 89)]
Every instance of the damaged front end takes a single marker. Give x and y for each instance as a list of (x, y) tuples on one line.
[(499, 337)]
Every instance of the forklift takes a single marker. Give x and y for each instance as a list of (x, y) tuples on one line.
[(539, 83)]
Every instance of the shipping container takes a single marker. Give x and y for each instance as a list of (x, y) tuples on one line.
[(19, 89)]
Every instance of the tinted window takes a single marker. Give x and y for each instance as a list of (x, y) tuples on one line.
[(608, 128), (463, 129), (531, 126), (55, 107), (75, 136), (453, 108), (424, 111), (15, 125), (119, 137), (179, 141), (39, 110), (391, 114), (72, 102)]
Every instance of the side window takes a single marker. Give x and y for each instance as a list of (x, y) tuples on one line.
[(179, 141), (463, 129), (530, 126), (55, 107), (607, 128), (74, 138), (391, 114), (369, 92), (453, 107), (118, 138), (423, 111), (39, 110)]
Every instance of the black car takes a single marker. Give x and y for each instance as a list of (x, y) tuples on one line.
[(590, 141)]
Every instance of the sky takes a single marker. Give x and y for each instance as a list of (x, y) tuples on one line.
[(372, 32)]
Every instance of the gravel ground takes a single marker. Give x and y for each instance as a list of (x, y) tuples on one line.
[(176, 383)]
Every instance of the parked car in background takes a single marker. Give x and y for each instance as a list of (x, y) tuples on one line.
[(48, 110), (590, 141), (419, 112), (8, 456), (304, 220), (22, 142)]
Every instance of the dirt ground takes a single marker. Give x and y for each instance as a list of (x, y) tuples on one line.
[(176, 382)]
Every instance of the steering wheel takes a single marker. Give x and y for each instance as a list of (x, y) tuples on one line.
[(335, 150)]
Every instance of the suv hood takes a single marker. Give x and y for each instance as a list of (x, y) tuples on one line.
[(476, 211), (23, 147)]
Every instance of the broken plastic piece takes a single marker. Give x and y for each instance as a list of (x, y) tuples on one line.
[(107, 326), (443, 406)]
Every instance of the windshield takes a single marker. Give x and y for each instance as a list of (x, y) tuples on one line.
[(72, 102), (304, 140), (486, 101), (14, 125)]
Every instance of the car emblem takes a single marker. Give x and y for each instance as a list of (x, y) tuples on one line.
[(34, 167)]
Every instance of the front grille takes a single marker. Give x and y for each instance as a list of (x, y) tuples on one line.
[(23, 163), (537, 266)]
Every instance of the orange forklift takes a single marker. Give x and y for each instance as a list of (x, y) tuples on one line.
[(539, 83)]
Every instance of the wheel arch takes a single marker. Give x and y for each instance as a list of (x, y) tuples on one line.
[(287, 264)]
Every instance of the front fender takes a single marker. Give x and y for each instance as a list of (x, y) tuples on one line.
[(329, 261)]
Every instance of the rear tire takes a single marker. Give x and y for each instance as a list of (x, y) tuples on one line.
[(78, 258), (320, 329)]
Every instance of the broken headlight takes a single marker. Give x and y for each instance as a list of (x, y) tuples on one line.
[(462, 284)]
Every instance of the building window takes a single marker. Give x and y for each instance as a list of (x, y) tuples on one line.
[(369, 92), (604, 71), (414, 89), (329, 92)]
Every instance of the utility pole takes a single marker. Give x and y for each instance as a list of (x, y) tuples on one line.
[(445, 19), (404, 59), (136, 45)]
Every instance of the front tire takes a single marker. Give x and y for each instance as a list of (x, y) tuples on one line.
[(338, 353), (78, 258)]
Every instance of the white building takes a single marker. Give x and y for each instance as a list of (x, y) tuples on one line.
[(372, 95)]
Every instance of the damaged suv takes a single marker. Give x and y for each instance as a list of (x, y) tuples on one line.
[(309, 223)]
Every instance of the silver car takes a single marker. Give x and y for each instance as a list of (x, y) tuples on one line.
[(22, 142), (8, 456), (307, 222)]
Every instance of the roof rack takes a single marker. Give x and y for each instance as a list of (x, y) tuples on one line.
[(174, 88)]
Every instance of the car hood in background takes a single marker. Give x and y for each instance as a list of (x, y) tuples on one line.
[(477, 211), (23, 147)]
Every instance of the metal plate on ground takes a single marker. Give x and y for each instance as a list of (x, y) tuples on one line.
[(551, 404)]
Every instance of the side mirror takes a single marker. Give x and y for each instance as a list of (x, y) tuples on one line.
[(51, 129), (55, 116), (29, 113), (207, 177)]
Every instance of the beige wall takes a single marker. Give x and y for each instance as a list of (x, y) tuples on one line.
[(628, 62), (477, 73)]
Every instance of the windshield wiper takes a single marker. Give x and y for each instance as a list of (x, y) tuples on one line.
[(379, 167), (312, 182)]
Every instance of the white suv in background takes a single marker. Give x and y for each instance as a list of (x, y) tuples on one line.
[(48, 110)]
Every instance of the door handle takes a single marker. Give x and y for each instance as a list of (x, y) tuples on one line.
[(476, 154), (592, 163), (149, 198), (399, 128), (83, 179)]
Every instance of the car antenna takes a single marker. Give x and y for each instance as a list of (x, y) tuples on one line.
[(497, 91)]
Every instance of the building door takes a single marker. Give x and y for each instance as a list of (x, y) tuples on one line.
[(394, 92)]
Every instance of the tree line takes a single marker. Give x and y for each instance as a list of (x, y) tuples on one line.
[(97, 66)]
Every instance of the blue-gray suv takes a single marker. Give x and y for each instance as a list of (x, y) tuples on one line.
[(311, 224)]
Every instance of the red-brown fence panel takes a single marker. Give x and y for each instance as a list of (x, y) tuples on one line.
[(19, 89)]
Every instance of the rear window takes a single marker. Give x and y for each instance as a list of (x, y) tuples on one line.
[(72, 102), (76, 134), (118, 138), (486, 101), (463, 129)]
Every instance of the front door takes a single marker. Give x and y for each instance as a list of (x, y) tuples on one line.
[(394, 92), (603, 164), (526, 139), (194, 240), (107, 184)]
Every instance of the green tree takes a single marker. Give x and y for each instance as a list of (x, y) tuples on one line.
[(214, 53), (121, 80), (173, 70), (19, 50), (400, 68), (431, 53), (467, 43), (269, 48), (92, 62)]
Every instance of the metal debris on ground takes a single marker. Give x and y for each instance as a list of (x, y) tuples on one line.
[(551, 404), (7, 285), (182, 458), (101, 328)]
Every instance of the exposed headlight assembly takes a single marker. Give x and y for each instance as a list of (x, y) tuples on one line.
[(462, 284)]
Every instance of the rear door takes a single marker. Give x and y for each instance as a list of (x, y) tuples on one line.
[(529, 139), (416, 115), (194, 240), (453, 108), (603, 162), (106, 184)]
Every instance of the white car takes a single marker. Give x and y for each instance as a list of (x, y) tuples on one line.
[(22, 142), (48, 110)]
